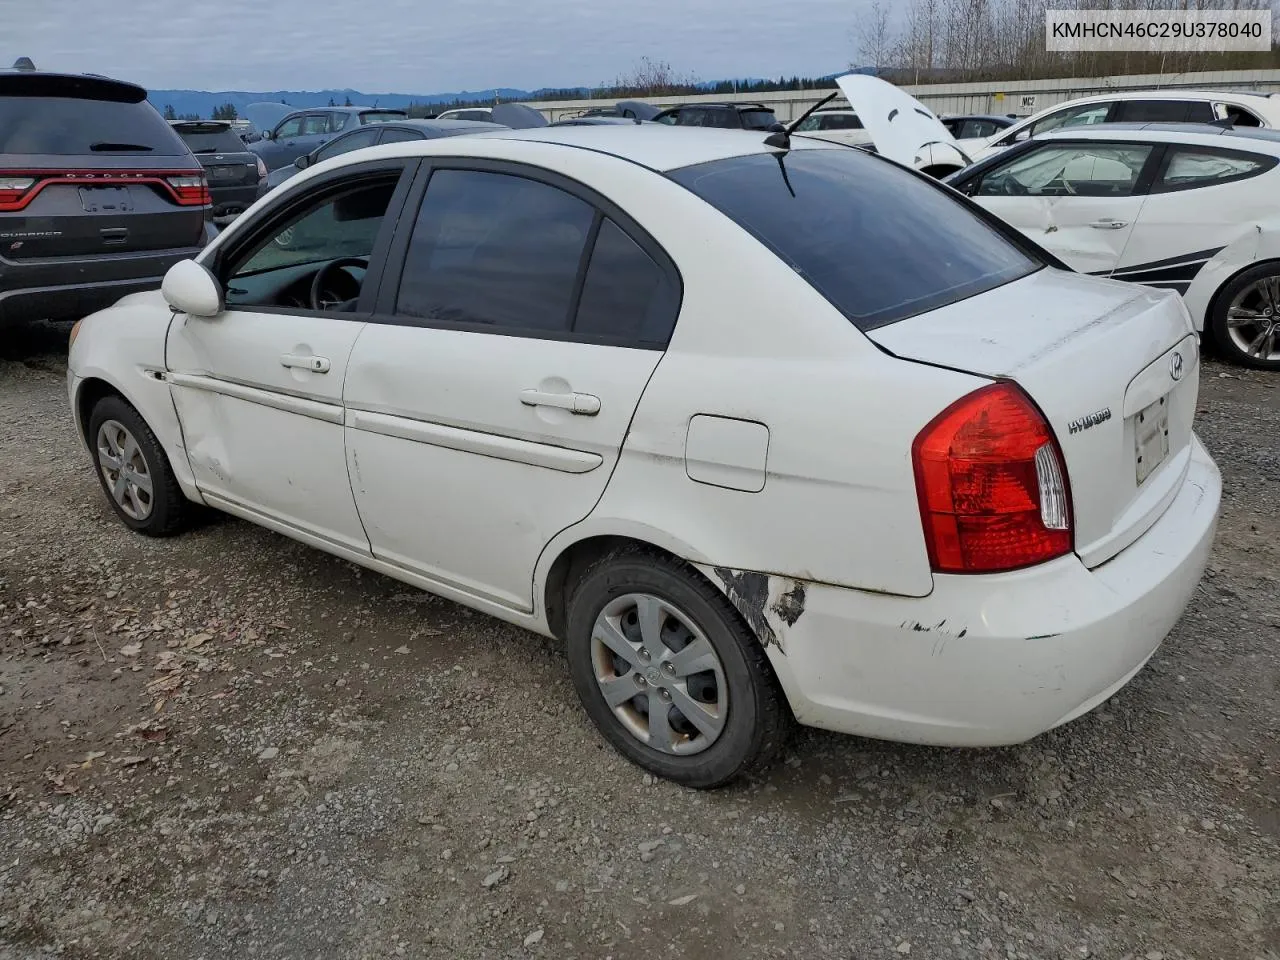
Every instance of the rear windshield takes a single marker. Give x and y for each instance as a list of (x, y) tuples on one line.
[(66, 126), (382, 116), (212, 139), (879, 242), (758, 119)]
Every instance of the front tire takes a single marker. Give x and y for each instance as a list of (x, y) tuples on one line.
[(134, 471), (1245, 325), (670, 674)]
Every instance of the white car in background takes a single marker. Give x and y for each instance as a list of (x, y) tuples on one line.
[(1194, 209), (1139, 106), (905, 481)]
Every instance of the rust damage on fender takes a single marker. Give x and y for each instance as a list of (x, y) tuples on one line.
[(770, 605)]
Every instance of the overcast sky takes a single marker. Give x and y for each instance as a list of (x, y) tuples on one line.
[(404, 46)]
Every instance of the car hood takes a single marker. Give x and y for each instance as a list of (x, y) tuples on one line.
[(638, 109), (265, 115), (900, 126), (517, 116)]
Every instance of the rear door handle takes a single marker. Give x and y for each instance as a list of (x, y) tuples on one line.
[(583, 404), (1106, 223), (314, 364)]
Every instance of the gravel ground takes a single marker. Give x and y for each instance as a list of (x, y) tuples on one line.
[(229, 746)]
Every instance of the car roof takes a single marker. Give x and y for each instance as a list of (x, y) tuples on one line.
[(1169, 94), (654, 145), (1204, 134), (722, 106), (440, 126)]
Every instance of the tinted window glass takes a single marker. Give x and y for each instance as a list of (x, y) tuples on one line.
[(879, 242), (65, 126), (1081, 116), (626, 294), (1153, 111), (841, 121), (976, 130), (494, 249), (756, 119), (211, 139), (1089, 170), (377, 116), (398, 136), (1192, 167), (353, 141)]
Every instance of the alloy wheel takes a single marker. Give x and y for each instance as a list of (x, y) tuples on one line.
[(125, 469), (659, 674), (1253, 319)]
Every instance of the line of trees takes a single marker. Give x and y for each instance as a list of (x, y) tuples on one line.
[(922, 41)]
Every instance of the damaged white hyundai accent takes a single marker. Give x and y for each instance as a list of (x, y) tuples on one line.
[(762, 432)]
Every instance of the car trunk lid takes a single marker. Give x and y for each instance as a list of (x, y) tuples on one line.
[(1114, 368)]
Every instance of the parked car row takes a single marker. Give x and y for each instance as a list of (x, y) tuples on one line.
[(521, 370)]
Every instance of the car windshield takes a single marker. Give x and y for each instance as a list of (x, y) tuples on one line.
[(211, 139), (881, 243)]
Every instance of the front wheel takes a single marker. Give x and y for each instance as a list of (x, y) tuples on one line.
[(1245, 325), (134, 471), (670, 674)]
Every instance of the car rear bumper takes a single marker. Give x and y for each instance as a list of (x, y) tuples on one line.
[(70, 288), (992, 660), (230, 202)]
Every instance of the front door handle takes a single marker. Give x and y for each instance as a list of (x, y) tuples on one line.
[(314, 364), (583, 404), (1106, 223)]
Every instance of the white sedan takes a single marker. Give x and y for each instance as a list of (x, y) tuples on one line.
[(1187, 208), (758, 433)]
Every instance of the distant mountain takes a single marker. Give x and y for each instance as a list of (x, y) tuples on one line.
[(202, 102)]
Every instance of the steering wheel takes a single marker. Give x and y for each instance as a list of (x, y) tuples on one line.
[(324, 294)]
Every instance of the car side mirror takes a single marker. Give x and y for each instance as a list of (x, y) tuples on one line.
[(1024, 134), (188, 287), (303, 161)]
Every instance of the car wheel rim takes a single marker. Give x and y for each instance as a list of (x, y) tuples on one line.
[(659, 674), (125, 470), (1253, 319)]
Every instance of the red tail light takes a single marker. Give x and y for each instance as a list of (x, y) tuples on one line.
[(190, 190), (18, 188), (14, 189), (992, 485)]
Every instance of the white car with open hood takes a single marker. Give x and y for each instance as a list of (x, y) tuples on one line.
[(1187, 208), (760, 433)]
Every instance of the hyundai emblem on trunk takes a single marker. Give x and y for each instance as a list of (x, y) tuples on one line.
[(1175, 366)]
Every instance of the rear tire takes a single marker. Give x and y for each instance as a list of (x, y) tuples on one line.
[(134, 471), (652, 607), (1245, 324)]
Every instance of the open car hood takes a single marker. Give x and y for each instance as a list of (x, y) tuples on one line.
[(900, 126), (517, 116), (637, 109), (265, 115)]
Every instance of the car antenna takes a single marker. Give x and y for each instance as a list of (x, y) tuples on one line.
[(781, 138)]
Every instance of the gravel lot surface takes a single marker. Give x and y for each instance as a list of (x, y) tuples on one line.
[(231, 746)]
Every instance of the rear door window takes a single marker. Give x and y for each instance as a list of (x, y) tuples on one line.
[(755, 119), (1157, 111), (495, 250), (394, 135), (68, 126), (879, 242), (1188, 168), (315, 124)]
